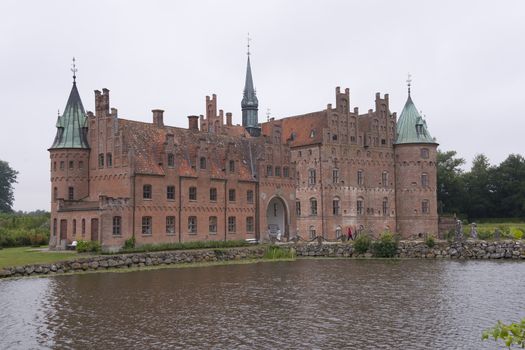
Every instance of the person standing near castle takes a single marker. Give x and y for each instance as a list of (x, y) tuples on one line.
[(349, 233)]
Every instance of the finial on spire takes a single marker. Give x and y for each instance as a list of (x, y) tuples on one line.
[(74, 70), (248, 45), (59, 112), (268, 113), (409, 82)]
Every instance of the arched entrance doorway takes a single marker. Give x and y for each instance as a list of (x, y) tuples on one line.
[(277, 219)]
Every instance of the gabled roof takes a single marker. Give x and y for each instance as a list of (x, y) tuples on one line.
[(72, 125), (411, 127)]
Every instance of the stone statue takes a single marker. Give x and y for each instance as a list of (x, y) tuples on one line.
[(497, 234), (459, 230), (474, 230)]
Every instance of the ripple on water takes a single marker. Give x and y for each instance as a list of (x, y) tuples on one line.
[(314, 304)]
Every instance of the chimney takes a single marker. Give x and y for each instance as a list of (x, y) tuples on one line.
[(229, 119), (158, 117), (193, 122)]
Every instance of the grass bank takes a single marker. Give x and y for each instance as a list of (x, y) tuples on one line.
[(29, 255)]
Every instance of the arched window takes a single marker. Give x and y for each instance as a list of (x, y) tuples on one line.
[(101, 160), (360, 205), (83, 227), (203, 163), (424, 153), (313, 206), (335, 206), (286, 172), (74, 227)]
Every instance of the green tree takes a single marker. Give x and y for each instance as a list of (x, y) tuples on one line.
[(509, 187), (7, 179), (479, 188), (450, 187), (512, 334)]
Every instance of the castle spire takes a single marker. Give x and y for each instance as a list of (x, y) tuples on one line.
[(74, 70), (249, 103), (409, 83)]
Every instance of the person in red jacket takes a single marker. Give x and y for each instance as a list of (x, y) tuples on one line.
[(349, 233)]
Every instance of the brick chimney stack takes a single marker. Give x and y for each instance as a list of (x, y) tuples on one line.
[(229, 119), (158, 117), (193, 122)]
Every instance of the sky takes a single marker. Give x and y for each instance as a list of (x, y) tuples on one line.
[(466, 59)]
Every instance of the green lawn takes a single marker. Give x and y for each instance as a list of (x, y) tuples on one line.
[(492, 226), (30, 255)]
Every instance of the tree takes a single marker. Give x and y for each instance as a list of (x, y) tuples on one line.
[(509, 187), (512, 334), (7, 179), (450, 188), (479, 188)]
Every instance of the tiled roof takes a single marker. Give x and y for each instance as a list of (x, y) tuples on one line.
[(301, 130)]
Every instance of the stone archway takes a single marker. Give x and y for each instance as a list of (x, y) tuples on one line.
[(277, 218)]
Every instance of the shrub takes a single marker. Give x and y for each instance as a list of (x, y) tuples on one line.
[(274, 252), (430, 241), (129, 243), (511, 334), (485, 234), (184, 246), (362, 243), (88, 246), (386, 246), (516, 233)]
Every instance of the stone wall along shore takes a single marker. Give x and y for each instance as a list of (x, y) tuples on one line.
[(470, 249)]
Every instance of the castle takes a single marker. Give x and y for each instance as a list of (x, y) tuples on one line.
[(316, 174)]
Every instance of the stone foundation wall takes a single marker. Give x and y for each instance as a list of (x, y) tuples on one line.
[(407, 249)]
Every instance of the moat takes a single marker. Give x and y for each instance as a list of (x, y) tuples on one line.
[(310, 304)]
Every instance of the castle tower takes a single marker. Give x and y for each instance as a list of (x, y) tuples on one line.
[(249, 103), (69, 162), (415, 163)]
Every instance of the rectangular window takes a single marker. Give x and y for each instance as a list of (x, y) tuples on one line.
[(83, 227), (424, 180), (232, 224), (74, 227), (360, 179), (171, 160), (311, 177), (146, 191), (213, 225), (249, 196), (269, 170), (170, 192), (147, 223), (70, 193), (231, 195), (101, 160), (81, 165), (359, 207), (193, 193), (71, 165), (313, 206), (109, 160), (335, 176), (55, 227), (298, 208), (277, 171), (170, 225), (192, 225), (249, 224), (424, 207), (335, 207), (385, 207), (384, 179), (213, 194), (54, 166), (117, 223), (286, 172), (62, 165), (232, 166)]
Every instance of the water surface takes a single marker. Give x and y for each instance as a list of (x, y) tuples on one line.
[(307, 304)]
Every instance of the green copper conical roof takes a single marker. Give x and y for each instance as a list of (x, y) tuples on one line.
[(72, 125), (411, 127)]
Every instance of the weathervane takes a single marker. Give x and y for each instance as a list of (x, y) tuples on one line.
[(74, 70), (248, 45), (409, 82)]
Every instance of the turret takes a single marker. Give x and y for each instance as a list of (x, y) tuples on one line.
[(249, 103), (69, 161), (415, 162)]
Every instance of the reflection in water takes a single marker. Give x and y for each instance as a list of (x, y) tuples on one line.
[(315, 304)]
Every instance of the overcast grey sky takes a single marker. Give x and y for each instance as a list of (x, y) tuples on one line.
[(466, 57)]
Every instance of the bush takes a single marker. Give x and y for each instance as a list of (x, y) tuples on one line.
[(516, 233), (430, 241), (485, 234), (386, 246), (88, 246), (362, 243), (184, 246), (129, 243), (24, 229), (511, 334)]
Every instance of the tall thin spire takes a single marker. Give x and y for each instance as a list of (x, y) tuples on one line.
[(409, 83), (74, 70), (250, 103)]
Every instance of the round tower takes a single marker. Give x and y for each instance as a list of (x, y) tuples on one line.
[(416, 172), (69, 171)]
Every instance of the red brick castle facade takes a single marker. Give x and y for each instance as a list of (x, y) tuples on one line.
[(308, 175)]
